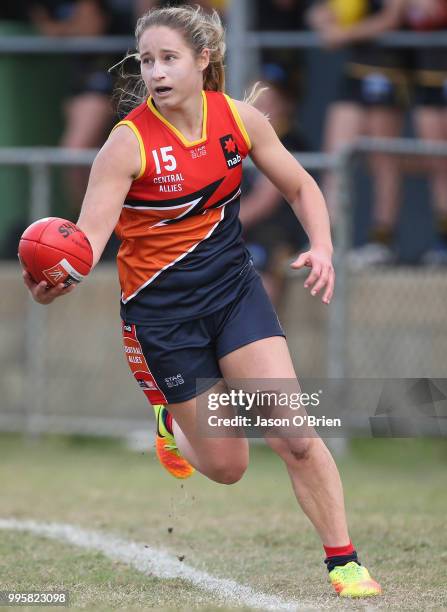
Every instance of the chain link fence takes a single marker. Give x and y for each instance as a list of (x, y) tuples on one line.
[(395, 319), (62, 367)]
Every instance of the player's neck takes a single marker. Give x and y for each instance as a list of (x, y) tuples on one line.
[(187, 118)]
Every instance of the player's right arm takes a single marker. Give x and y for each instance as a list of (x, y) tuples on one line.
[(115, 167)]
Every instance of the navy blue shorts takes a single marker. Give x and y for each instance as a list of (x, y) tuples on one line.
[(166, 360)]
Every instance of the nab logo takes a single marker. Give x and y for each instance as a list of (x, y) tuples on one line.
[(127, 328), (230, 151)]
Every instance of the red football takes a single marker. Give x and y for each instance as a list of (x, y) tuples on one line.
[(55, 250)]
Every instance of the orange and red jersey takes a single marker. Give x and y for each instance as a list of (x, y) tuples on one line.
[(182, 255)]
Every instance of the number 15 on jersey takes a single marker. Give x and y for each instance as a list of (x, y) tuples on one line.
[(168, 160)]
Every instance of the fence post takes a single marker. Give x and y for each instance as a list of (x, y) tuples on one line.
[(36, 320), (337, 324), (237, 27), (336, 367)]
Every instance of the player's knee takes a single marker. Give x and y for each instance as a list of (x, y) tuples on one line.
[(301, 448), (228, 471), (293, 449)]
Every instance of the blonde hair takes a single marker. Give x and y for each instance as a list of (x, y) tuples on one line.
[(255, 92), (201, 30)]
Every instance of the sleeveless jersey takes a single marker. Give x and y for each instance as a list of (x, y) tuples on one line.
[(182, 255)]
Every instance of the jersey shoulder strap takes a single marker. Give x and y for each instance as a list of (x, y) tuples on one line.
[(131, 121)]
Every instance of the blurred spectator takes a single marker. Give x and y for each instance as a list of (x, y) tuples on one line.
[(87, 111), (271, 229), (372, 95), (284, 15), (89, 114), (430, 116)]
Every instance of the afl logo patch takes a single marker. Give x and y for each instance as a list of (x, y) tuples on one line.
[(230, 151)]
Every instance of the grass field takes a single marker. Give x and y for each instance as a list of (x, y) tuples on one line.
[(251, 532)]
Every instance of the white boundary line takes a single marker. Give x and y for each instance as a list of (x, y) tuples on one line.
[(159, 563)]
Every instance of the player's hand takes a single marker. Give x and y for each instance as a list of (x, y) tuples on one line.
[(42, 293), (322, 275)]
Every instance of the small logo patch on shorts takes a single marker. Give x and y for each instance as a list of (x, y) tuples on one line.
[(174, 381)]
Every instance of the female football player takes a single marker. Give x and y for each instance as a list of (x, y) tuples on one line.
[(194, 310)]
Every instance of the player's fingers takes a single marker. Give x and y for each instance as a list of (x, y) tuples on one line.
[(45, 295), (60, 290), (301, 261), (40, 292), (40, 288), (68, 289), (327, 297), (321, 282), (54, 292), (313, 276)]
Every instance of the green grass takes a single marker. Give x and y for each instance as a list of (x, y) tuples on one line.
[(252, 532)]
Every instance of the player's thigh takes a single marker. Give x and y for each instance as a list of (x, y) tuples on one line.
[(266, 365), (253, 356), (88, 116), (264, 358), (263, 366), (219, 446)]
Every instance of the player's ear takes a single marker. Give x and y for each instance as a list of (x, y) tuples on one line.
[(203, 59)]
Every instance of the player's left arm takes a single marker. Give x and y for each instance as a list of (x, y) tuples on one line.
[(302, 193)]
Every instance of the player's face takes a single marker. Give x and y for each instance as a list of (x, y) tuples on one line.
[(169, 67)]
